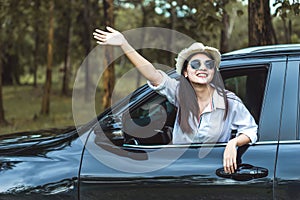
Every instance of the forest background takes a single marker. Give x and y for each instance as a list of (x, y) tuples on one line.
[(43, 43)]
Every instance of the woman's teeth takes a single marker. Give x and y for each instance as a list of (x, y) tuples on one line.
[(201, 75)]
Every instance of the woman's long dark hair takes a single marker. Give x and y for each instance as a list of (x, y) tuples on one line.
[(187, 97)]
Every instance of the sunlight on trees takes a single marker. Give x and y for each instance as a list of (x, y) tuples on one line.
[(220, 23)]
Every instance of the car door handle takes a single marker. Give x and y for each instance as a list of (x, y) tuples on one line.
[(244, 172)]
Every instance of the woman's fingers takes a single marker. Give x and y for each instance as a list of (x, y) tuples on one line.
[(100, 39), (101, 36), (112, 37), (229, 157), (101, 32), (98, 36), (101, 43), (110, 29), (235, 165), (230, 165)]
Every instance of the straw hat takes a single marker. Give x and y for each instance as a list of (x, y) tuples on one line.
[(197, 48)]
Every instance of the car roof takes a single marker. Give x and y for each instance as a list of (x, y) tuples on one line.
[(257, 51), (263, 50)]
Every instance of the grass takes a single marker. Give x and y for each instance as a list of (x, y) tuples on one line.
[(22, 105)]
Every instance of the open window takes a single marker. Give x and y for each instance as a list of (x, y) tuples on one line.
[(151, 120), (249, 85), (149, 123)]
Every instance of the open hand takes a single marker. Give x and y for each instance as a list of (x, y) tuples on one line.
[(109, 37)]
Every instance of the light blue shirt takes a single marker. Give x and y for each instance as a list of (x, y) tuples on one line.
[(211, 126)]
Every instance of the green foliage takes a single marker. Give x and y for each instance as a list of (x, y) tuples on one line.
[(200, 20), (286, 21), (24, 29), (239, 29), (286, 8), (281, 32)]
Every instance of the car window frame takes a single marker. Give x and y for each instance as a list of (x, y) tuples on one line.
[(227, 65), (246, 67), (250, 67)]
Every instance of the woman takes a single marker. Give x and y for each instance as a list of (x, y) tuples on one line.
[(206, 112)]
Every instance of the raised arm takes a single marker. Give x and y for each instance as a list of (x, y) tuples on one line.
[(115, 38)]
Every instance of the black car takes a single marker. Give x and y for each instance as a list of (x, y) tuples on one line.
[(113, 158)]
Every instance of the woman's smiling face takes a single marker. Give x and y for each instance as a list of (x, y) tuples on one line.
[(202, 75)]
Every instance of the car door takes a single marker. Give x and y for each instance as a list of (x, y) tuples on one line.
[(140, 169), (288, 170)]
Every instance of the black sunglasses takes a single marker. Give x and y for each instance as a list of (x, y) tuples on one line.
[(196, 64)]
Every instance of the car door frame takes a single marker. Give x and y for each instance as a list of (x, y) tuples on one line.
[(287, 180)]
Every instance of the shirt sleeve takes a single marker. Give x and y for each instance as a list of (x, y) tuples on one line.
[(168, 87), (243, 121)]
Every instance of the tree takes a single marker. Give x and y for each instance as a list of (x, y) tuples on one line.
[(224, 41), (47, 87), (36, 40), (260, 30), (286, 10), (87, 45), (201, 21), (145, 8), (11, 43), (228, 11), (2, 116), (143, 24), (67, 55), (109, 73)]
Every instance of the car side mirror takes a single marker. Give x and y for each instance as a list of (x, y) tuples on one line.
[(244, 172)]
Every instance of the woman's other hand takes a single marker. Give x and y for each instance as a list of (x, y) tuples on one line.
[(115, 38), (109, 37), (229, 157), (230, 153)]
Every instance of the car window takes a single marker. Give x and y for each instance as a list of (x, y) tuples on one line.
[(150, 122), (249, 85)]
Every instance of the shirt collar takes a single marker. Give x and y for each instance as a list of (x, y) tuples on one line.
[(218, 101)]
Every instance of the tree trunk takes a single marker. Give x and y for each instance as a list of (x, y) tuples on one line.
[(36, 42), (290, 32), (109, 73), (287, 26), (67, 57), (144, 22), (2, 115), (87, 45), (173, 17), (224, 43), (260, 23), (274, 34), (47, 87)]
